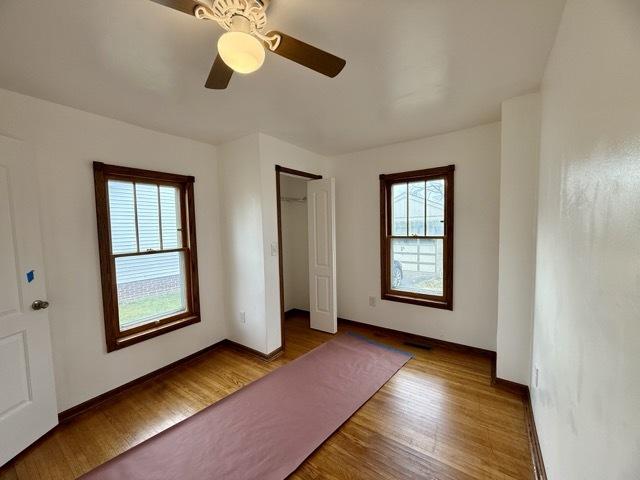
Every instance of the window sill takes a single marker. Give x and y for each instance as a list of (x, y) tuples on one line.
[(154, 331), (424, 302)]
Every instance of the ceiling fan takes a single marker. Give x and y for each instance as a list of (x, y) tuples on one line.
[(242, 47)]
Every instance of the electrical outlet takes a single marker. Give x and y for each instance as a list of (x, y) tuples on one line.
[(536, 380), (243, 317), (372, 301)]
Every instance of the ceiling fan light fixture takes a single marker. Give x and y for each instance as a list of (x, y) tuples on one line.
[(241, 51)]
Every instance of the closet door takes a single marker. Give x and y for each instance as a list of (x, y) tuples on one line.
[(322, 255)]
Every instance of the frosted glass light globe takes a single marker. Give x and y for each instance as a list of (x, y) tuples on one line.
[(241, 51)]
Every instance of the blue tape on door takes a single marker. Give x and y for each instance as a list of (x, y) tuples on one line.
[(31, 276)]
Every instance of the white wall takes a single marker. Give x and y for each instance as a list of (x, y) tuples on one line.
[(587, 327), (241, 231), (518, 211), (476, 154), (276, 152), (295, 245), (247, 167), (66, 142)]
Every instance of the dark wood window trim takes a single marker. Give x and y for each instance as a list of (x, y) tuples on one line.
[(115, 338), (388, 293)]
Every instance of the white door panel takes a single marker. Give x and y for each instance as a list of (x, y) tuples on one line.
[(322, 255), (9, 295), (27, 393)]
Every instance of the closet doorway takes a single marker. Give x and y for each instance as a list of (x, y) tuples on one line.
[(306, 247)]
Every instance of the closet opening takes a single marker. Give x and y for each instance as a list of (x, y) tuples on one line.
[(293, 241)]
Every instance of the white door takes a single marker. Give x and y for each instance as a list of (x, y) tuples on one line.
[(27, 393), (322, 254)]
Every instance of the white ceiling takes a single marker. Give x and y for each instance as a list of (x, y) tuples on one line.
[(414, 67)]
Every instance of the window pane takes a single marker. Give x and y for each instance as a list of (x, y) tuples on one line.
[(435, 207), (170, 214), (122, 217), (150, 287), (416, 208), (148, 216), (399, 209), (417, 265)]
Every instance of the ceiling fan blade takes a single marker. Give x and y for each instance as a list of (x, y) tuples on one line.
[(219, 76), (308, 55), (186, 6)]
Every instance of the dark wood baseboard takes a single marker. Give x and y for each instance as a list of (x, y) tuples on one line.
[(523, 390), (510, 386), (264, 356), (76, 410), (539, 472), (420, 338), (70, 413), (408, 336), (295, 311), (517, 388)]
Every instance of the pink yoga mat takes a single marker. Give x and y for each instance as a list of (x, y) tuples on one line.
[(268, 428)]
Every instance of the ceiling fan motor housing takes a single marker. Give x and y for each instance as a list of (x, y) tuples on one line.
[(240, 23), (248, 16)]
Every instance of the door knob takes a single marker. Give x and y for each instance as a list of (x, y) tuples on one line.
[(40, 305)]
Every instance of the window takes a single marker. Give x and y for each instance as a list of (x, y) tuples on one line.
[(416, 237), (147, 240)]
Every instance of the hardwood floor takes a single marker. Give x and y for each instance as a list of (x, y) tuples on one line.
[(437, 418)]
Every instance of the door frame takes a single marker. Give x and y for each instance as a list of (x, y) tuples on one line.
[(298, 173)]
